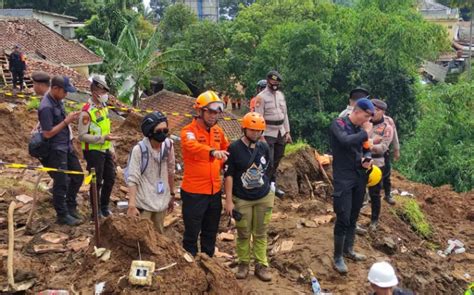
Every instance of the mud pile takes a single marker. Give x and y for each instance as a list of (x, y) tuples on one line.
[(122, 235), (300, 174)]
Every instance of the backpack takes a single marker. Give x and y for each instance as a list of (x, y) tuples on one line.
[(145, 156), (38, 146)]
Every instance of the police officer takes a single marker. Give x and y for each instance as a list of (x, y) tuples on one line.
[(354, 95), (95, 136), (271, 104), (347, 135), (55, 127), (41, 81), (381, 137)]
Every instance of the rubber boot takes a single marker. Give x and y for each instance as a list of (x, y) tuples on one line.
[(339, 263), (349, 249)]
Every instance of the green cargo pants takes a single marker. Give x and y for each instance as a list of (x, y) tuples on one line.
[(256, 216)]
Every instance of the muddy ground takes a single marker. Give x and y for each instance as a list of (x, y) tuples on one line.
[(300, 235)]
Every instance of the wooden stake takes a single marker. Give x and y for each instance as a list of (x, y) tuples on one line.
[(11, 240), (35, 202), (95, 208)]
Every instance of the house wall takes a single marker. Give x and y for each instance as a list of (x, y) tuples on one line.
[(204, 9), (54, 23), (449, 24), (84, 70)]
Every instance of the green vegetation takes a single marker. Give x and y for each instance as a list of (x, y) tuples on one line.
[(129, 58), (33, 104), (294, 147), (441, 149), (322, 49), (411, 212)]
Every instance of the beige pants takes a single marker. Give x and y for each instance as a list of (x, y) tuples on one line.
[(158, 219)]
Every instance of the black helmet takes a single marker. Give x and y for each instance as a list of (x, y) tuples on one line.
[(151, 120), (262, 84)]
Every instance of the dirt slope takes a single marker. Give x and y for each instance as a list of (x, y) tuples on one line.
[(293, 227)]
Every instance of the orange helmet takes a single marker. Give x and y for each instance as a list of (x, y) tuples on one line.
[(253, 121), (206, 98)]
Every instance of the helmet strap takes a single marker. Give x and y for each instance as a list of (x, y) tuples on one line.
[(248, 138)]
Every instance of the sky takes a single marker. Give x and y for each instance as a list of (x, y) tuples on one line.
[(147, 3)]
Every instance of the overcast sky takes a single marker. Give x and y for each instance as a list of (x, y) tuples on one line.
[(147, 3)]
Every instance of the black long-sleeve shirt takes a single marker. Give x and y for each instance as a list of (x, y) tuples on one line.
[(346, 143)]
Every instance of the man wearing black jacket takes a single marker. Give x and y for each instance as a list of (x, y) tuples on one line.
[(347, 137)]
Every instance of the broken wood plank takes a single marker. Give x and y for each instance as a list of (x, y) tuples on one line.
[(78, 244), (24, 198), (46, 248), (54, 238)]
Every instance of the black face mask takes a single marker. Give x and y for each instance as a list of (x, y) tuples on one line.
[(159, 136), (274, 87)]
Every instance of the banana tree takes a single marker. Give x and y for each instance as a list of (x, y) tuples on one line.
[(130, 58)]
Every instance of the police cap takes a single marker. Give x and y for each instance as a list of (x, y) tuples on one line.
[(274, 75), (40, 77)]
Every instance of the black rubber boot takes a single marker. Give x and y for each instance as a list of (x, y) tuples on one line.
[(349, 249), (339, 263)]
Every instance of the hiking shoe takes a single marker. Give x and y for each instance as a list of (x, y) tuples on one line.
[(340, 265), (360, 231), (262, 272), (242, 271), (389, 199), (373, 225), (68, 220)]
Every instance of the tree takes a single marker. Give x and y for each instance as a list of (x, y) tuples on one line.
[(129, 58), (441, 149), (176, 20)]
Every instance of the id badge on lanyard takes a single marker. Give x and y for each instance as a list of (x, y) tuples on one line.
[(160, 186)]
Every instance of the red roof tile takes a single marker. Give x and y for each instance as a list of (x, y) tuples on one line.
[(78, 80), (37, 39), (169, 102)]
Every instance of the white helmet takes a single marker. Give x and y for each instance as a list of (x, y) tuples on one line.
[(383, 275)]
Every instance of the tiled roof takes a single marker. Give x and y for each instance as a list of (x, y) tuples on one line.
[(167, 101), (78, 80), (37, 39)]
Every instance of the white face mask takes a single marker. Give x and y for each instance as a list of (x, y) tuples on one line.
[(104, 98)]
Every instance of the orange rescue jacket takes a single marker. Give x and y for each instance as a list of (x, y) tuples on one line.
[(202, 173)]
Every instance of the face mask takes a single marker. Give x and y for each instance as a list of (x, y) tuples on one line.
[(159, 136), (104, 98), (274, 87)]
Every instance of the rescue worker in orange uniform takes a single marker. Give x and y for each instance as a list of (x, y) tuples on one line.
[(204, 149), (261, 85)]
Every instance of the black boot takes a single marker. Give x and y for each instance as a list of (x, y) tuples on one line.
[(349, 248), (74, 212), (339, 263)]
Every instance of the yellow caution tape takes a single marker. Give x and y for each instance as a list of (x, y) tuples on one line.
[(125, 109), (87, 179)]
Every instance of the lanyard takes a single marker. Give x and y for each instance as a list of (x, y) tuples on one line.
[(160, 158)]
